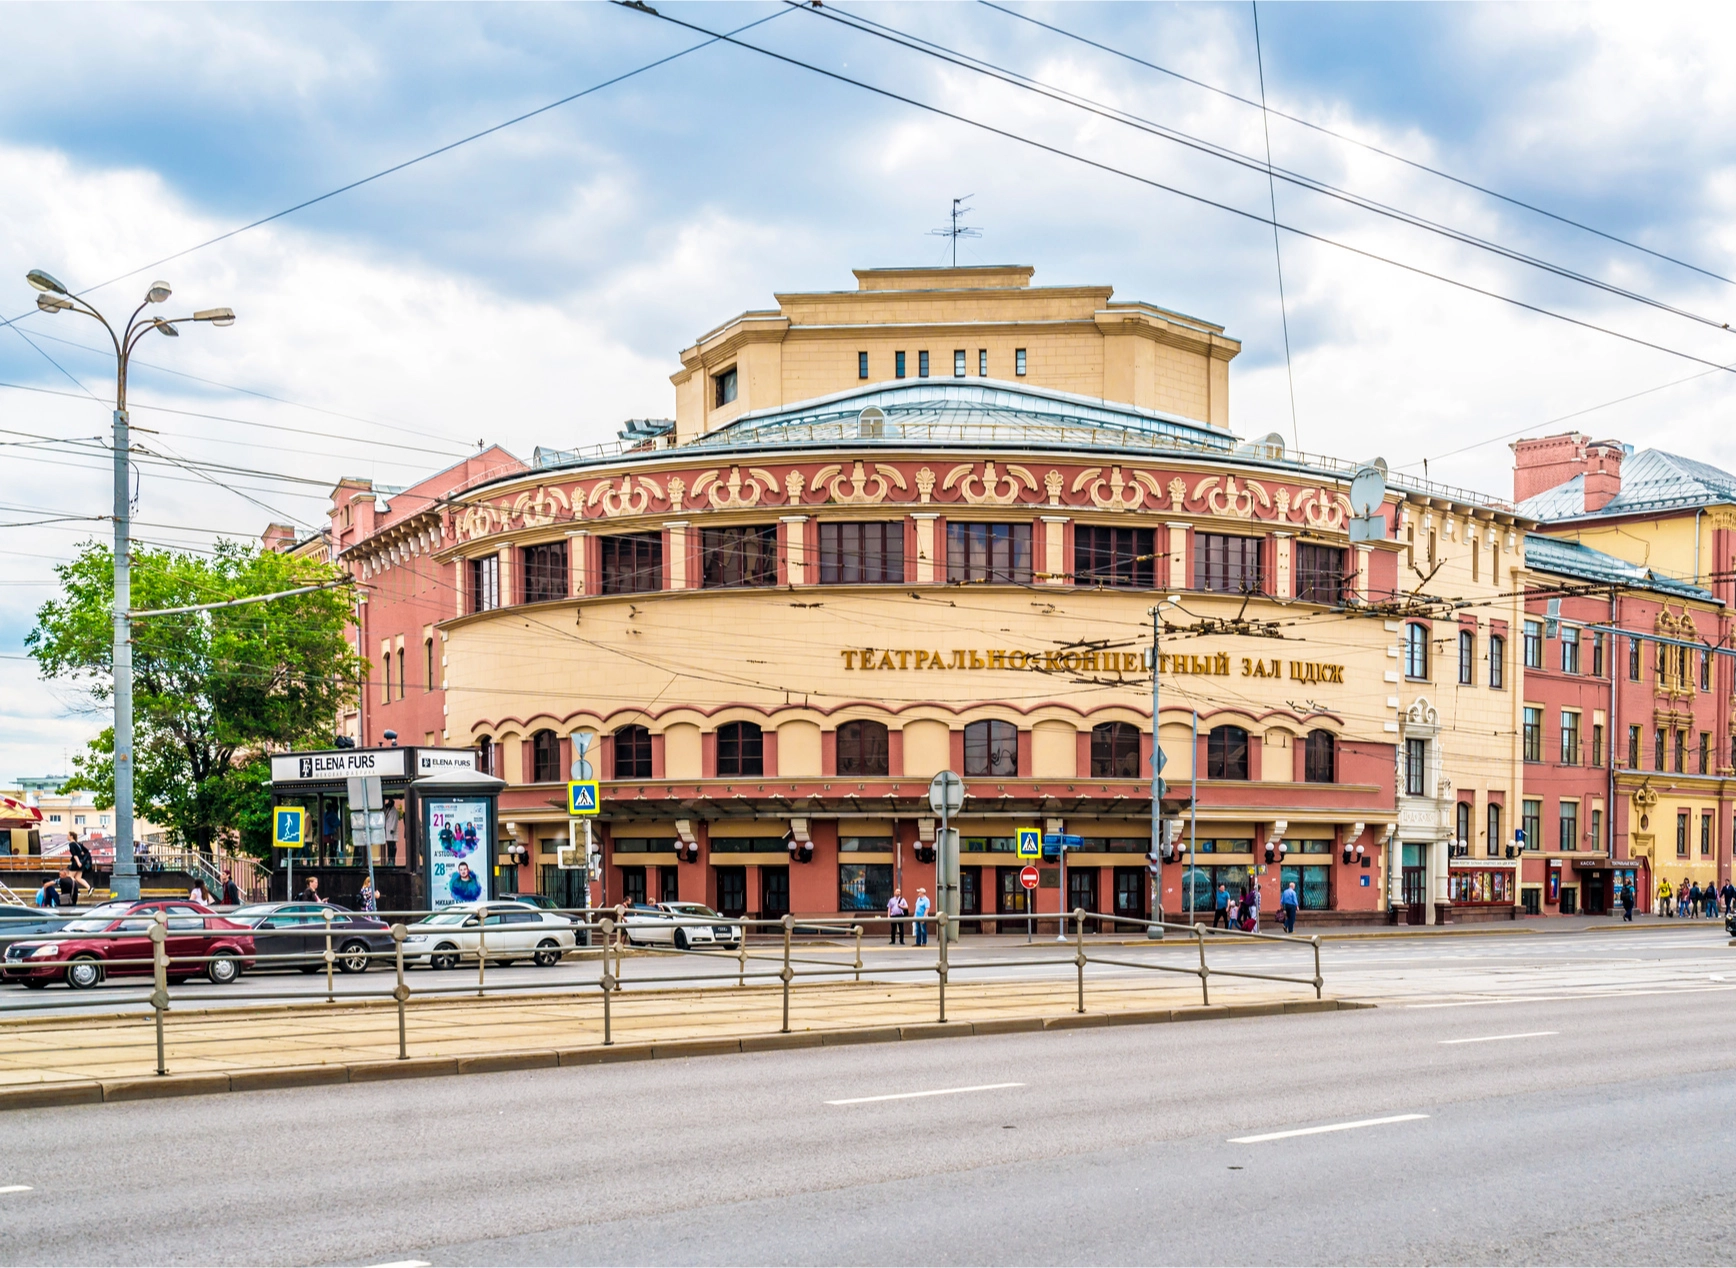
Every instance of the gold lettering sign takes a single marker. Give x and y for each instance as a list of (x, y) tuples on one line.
[(1215, 664)]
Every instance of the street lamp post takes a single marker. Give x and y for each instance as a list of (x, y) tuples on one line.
[(55, 298)]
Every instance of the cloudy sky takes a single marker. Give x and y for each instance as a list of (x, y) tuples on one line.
[(534, 286)]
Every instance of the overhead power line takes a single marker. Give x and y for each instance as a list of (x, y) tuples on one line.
[(1203, 200), (1461, 181)]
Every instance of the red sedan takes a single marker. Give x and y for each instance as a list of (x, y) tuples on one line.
[(115, 938)]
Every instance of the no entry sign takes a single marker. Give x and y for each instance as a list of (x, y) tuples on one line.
[(1028, 877)]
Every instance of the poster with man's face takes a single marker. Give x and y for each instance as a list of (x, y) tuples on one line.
[(459, 850)]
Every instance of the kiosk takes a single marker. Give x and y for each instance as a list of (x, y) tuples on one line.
[(335, 846)]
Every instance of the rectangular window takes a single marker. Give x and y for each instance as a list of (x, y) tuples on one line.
[(982, 363), (1533, 828), (1570, 649), (545, 571), (1533, 646), (922, 365), (864, 886), (1019, 361), (1596, 842), (1416, 764), (1467, 657), (632, 755), (1494, 829), (1497, 661), (401, 674), (1228, 565), (852, 554), (632, 563), (1319, 574), (1705, 834), (998, 553), (1570, 737), (723, 388), (1105, 556), (898, 365), (1533, 734), (958, 369), (485, 583), (1658, 758), (1597, 655), (386, 685), (1681, 834), (861, 365), (1567, 838), (745, 556), (1705, 752), (1633, 660), (428, 664), (1310, 880), (1705, 671), (1597, 744), (1681, 752), (1633, 753)]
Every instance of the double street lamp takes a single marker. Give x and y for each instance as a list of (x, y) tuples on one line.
[(55, 298)]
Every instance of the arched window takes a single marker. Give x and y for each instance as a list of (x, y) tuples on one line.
[(485, 755), (1115, 751), (1227, 753), (740, 750), (991, 748), (632, 753), (863, 749), (1416, 650), (1320, 758), (545, 757)]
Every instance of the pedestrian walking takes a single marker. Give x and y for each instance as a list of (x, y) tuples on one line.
[(309, 891), (897, 909), (1682, 898), (196, 894), (1665, 906), (1729, 899), (1221, 908), (921, 912), (232, 893), (82, 863), (370, 896), (1251, 909), (1627, 903), (1287, 904), (1694, 900)]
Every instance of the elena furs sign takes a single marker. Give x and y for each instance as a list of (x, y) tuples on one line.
[(337, 765)]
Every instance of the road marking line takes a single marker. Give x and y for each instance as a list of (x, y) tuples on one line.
[(1335, 1127), (14, 1188), (404, 1263), (1529, 1034), (907, 1096)]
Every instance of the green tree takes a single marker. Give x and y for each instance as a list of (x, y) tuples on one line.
[(212, 691)]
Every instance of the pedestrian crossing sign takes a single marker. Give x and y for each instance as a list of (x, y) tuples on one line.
[(582, 797), (1030, 843), (287, 827)]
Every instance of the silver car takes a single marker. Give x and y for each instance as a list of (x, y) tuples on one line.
[(685, 926)]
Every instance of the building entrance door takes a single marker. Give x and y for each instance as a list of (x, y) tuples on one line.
[(774, 892), (1082, 894), (1596, 894), (1416, 895), (732, 892)]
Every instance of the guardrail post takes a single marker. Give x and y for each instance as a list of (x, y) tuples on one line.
[(481, 950), (1079, 952), (620, 942), (607, 982), (741, 949), (789, 927), (401, 992), (858, 953), (327, 913), (1318, 980), (1200, 938), (160, 972)]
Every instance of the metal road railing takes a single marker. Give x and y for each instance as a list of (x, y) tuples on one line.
[(777, 958)]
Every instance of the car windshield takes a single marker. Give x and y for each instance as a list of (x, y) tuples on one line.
[(694, 909), (109, 911), (252, 915), (85, 926), (449, 917)]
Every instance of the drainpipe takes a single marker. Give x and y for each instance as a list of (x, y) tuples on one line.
[(1697, 515)]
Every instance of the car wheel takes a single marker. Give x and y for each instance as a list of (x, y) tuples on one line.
[(83, 973), (223, 970), (548, 953), (445, 957), (681, 939), (353, 957)]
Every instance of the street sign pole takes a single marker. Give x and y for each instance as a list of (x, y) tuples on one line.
[(945, 798), (1157, 842)]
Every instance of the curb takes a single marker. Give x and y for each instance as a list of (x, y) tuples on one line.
[(93, 1092)]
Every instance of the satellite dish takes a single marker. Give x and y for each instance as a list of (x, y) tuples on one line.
[(1368, 490)]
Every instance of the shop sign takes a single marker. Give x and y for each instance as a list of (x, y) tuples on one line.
[(290, 768), (432, 761), (1212, 664), (458, 850)]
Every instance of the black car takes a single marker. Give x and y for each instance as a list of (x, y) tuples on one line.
[(29, 922), (293, 936)]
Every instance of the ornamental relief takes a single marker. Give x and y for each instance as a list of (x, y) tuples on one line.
[(1117, 488)]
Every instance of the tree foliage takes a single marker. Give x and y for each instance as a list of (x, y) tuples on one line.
[(212, 690)]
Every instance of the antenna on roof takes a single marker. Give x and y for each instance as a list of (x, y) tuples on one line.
[(957, 230)]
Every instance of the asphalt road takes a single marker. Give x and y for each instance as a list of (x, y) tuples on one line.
[(1584, 1129)]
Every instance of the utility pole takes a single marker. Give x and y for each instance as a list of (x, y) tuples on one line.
[(54, 298)]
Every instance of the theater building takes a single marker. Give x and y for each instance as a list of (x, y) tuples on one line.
[(922, 524)]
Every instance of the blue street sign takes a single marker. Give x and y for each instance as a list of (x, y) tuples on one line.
[(1159, 760), (582, 797), (1062, 838), (288, 827), (1030, 843)]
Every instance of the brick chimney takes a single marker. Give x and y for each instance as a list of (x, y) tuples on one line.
[(1551, 461)]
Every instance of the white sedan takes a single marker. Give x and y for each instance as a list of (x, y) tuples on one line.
[(505, 931), (681, 925)]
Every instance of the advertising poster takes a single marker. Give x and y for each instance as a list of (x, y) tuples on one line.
[(459, 850)]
